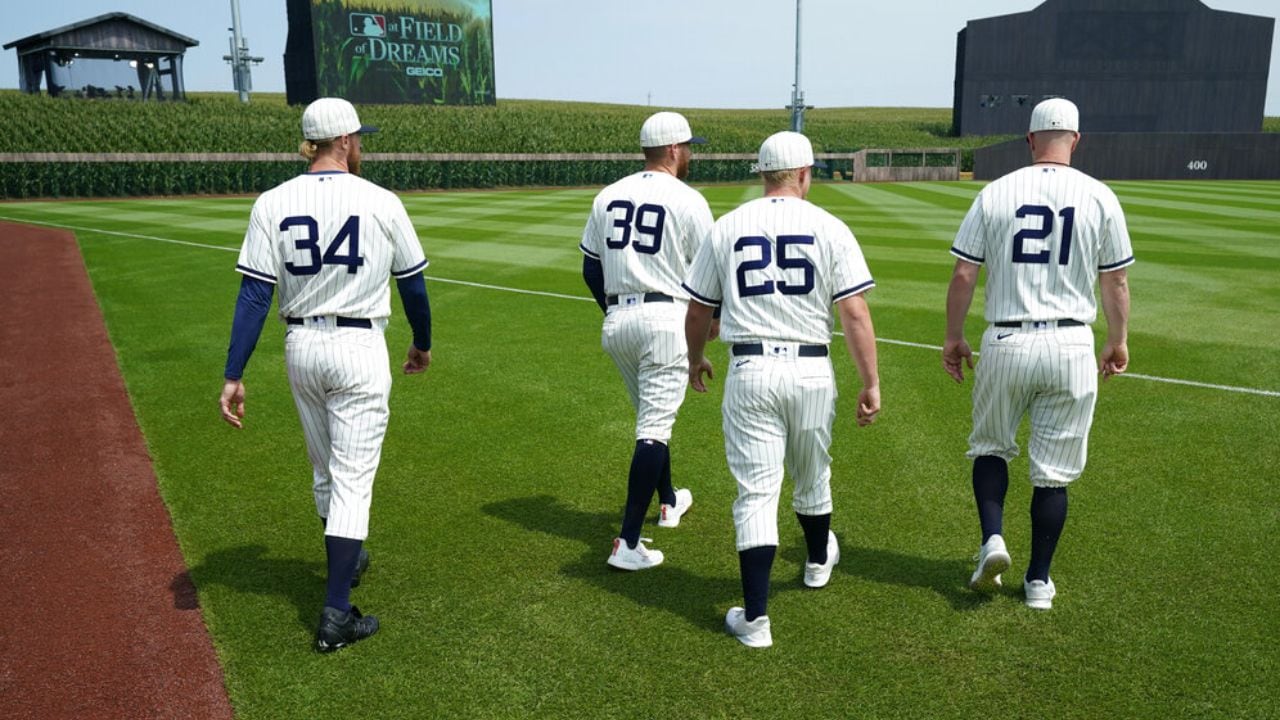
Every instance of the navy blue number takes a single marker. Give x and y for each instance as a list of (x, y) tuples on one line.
[(348, 234), (308, 243), (1045, 214), (648, 220), (785, 261), (746, 289), (792, 263)]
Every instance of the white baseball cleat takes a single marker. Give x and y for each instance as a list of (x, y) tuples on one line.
[(993, 559), (815, 575), (641, 558), (754, 634), (669, 515), (1040, 594)]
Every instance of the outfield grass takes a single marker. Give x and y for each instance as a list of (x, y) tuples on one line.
[(504, 471)]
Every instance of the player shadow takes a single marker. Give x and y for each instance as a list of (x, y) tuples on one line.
[(248, 569), (700, 600), (948, 578)]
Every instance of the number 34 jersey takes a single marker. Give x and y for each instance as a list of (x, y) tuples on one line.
[(645, 229), (778, 264), (1044, 232), (328, 240)]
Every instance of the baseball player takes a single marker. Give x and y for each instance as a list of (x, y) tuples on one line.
[(1048, 235), (639, 240), (329, 239), (775, 266)]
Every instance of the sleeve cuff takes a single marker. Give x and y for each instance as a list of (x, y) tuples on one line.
[(700, 298), (587, 252), (1116, 266), (257, 274), (967, 257), (856, 289), (401, 274)]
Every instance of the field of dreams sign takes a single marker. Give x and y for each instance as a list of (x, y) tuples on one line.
[(391, 51)]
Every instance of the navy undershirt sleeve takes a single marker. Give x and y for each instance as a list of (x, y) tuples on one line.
[(413, 294), (252, 306), (593, 275)]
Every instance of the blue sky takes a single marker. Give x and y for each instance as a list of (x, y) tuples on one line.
[(672, 53)]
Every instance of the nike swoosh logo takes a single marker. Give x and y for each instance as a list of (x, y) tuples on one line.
[(1001, 337), (740, 363)]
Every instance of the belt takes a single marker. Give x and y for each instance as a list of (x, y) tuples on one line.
[(340, 321), (648, 297), (758, 349), (1040, 323)]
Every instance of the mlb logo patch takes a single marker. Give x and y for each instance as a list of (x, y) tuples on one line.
[(367, 25)]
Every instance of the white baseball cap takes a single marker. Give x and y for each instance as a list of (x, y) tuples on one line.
[(785, 150), (667, 128), (1055, 114), (330, 118)]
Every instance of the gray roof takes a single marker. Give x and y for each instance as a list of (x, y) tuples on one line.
[(49, 38)]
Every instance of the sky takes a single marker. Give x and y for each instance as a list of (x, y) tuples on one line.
[(666, 53)]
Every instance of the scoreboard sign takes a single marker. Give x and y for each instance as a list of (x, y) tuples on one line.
[(397, 51)]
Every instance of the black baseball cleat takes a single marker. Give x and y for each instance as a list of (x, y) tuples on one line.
[(362, 564), (339, 629)]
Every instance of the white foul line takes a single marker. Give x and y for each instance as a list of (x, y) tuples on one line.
[(561, 296)]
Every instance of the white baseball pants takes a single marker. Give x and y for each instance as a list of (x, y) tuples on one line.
[(1049, 372), (341, 379), (646, 341), (778, 411)]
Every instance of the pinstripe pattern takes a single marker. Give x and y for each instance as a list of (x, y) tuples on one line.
[(340, 376), (778, 407), (646, 339), (1038, 274), (341, 379)]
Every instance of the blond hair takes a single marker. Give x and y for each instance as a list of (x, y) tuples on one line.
[(781, 178), (310, 148)]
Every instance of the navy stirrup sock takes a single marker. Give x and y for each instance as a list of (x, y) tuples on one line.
[(1048, 515), (666, 491), (990, 483), (646, 468), (755, 564), (342, 556), (816, 528)]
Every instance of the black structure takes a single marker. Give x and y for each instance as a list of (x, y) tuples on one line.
[(1151, 156), (1130, 66), (300, 55), (155, 52)]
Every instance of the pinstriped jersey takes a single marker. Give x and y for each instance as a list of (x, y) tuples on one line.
[(777, 264), (645, 229), (329, 240), (1044, 232)]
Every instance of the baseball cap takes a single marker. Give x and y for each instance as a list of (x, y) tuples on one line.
[(785, 150), (1055, 114), (330, 118), (667, 128)]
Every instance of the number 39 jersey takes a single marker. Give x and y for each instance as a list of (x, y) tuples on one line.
[(645, 229), (1044, 233), (329, 240), (778, 264)]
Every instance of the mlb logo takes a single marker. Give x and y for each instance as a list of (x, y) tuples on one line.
[(366, 25)]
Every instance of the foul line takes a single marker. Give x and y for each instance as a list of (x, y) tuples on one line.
[(561, 296)]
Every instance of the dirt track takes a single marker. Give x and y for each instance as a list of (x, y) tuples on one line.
[(100, 616)]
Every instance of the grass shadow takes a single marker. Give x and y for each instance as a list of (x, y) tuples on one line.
[(247, 569), (698, 599), (947, 578)]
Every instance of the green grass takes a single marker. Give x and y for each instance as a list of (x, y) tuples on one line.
[(504, 470)]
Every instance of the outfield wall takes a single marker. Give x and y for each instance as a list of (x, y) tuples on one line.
[(1151, 156)]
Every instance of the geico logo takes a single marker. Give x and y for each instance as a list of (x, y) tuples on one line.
[(424, 71)]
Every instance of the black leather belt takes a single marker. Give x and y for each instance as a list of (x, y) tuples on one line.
[(340, 321), (758, 349), (648, 297), (1059, 323)]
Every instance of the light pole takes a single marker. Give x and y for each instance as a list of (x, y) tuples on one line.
[(797, 95), (239, 57)]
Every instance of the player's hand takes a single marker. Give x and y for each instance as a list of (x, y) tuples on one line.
[(714, 333), (417, 360), (1113, 360), (232, 403), (868, 406), (696, 371), (953, 351)]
